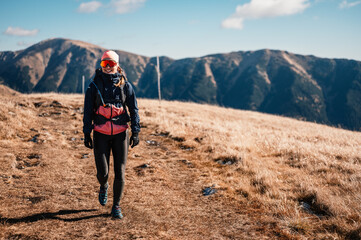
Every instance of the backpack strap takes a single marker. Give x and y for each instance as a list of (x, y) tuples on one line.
[(121, 85), (99, 96), (98, 83)]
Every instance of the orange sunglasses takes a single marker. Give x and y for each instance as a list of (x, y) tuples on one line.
[(104, 63)]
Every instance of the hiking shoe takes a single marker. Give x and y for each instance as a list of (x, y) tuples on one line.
[(103, 196), (116, 212)]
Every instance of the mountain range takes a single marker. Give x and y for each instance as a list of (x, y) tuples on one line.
[(272, 81)]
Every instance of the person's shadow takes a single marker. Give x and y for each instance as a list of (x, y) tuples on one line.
[(55, 215)]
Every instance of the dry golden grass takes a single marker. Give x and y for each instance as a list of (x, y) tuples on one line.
[(276, 178)]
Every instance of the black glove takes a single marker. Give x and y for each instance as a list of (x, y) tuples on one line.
[(88, 140), (134, 139)]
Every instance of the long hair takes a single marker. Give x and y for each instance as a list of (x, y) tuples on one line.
[(123, 78)]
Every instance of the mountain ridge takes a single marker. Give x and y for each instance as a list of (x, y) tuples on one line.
[(273, 81)]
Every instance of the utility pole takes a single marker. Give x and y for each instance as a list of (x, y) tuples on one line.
[(158, 71), (83, 82)]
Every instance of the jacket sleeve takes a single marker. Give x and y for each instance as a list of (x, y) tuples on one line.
[(88, 109), (131, 102)]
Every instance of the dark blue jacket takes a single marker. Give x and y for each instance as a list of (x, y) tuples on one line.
[(111, 94)]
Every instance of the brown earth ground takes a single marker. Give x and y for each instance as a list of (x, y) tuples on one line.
[(263, 191)]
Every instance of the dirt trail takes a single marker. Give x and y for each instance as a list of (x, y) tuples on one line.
[(49, 189)]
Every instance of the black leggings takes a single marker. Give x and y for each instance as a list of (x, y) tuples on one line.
[(119, 145)]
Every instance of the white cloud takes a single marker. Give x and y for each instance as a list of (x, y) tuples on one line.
[(17, 31), (89, 7), (125, 6), (264, 9), (233, 22), (346, 4)]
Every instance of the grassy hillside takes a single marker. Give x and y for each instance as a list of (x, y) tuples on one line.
[(274, 177)]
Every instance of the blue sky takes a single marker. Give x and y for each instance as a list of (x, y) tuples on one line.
[(189, 28)]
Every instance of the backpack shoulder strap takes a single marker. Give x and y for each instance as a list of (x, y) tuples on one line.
[(98, 83), (121, 85), (122, 94)]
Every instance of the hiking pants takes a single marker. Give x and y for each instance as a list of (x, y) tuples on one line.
[(119, 145)]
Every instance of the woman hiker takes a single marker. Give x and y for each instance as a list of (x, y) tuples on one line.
[(105, 111)]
